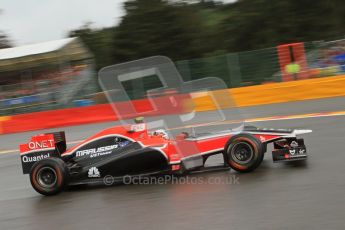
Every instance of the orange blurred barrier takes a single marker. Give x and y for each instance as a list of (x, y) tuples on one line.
[(280, 92), (85, 115), (2, 120), (58, 118), (245, 96)]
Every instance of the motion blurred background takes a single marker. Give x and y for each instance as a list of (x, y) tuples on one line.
[(244, 42)]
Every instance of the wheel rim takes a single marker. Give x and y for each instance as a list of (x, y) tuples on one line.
[(242, 153), (47, 177)]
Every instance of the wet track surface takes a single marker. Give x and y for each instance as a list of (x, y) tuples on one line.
[(275, 196)]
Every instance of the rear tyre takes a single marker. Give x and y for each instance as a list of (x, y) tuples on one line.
[(244, 152), (49, 176)]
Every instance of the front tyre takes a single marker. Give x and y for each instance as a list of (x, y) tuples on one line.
[(244, 152), (49, 176)]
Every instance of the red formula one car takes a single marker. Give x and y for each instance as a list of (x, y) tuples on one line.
[(131, 151)]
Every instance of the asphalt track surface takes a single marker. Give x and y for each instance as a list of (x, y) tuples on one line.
[(275, 196)]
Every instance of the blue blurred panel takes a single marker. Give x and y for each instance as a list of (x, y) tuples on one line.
[(81, 103)]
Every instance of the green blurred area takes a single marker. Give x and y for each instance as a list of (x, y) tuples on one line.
[(236, 69), (195, 29), (210, 38)]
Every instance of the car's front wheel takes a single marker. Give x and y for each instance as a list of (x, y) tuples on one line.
[(49, 176), (244, 152)]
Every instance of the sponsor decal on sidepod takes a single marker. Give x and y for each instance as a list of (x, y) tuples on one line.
[(94, 172), (95, 152)]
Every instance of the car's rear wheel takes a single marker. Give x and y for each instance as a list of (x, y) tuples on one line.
[(49, 176), (244, 152)]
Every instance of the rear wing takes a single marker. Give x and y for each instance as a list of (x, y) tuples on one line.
[(40, 147)]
